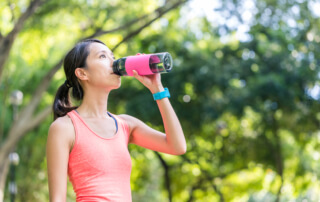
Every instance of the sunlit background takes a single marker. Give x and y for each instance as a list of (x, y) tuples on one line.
[(245, 86)]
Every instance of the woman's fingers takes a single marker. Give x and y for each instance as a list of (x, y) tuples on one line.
[(136, 75), (143, 79)]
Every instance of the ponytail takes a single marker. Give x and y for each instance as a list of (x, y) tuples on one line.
[(62, 104)]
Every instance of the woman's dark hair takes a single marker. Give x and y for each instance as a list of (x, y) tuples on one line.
[(75, 58)]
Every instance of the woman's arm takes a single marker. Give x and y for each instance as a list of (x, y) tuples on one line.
[(173, 141), (59, 144)]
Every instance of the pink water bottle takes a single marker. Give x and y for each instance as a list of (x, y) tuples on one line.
[(143, 64)]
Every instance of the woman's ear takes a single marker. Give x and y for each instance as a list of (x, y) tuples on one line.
[(81, 74)]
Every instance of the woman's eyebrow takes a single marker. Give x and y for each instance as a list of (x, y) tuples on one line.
[(101, 52), (104, 51)]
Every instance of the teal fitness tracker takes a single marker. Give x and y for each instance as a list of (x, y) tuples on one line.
[(160, 95)]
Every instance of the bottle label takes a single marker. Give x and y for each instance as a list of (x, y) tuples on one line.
[(140, 63)]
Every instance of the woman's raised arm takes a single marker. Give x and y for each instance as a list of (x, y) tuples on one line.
[(173, 141)]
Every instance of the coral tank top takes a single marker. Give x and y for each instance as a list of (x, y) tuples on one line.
[(99, 168)]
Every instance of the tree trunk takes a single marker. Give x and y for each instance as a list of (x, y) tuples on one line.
[(199, 185), (278, 154), (4, 169), (167, 180), (219, 192), (7, 42), (279, 164)]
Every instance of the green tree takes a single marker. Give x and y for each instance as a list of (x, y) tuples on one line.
[(245, 86), (42, 43), (245, 102)]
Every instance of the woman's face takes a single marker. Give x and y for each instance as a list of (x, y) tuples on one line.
[(99, 67)]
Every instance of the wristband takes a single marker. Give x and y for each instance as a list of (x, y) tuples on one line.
[(162, 94)]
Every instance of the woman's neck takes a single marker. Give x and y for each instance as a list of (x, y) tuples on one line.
[(94, 105)]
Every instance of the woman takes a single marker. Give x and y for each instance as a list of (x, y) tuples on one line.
[(89, 144)]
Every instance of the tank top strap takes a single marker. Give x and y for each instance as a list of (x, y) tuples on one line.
[(122, 125), (72, 115), (77, 127), (75, 119)]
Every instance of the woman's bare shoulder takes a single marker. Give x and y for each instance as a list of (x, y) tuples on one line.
[(127, 117), (62, 128), (62, 123), (131, 121)]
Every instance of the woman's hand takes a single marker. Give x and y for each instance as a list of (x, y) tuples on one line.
[(152, 82)]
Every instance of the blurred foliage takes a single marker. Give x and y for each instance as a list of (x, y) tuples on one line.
[(245, 86)]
